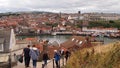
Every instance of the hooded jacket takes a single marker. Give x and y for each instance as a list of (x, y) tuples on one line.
[(34, 53)]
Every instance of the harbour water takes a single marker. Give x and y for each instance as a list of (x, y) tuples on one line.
[(63, 38)]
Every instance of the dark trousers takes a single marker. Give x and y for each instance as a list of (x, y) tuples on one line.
[(57, 64), (45, 62), (27, 61), (66, 58), (34, 63)]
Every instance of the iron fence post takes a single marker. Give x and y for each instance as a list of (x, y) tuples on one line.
[(59, 63), (63, 60), (53, 63), (9, 66)]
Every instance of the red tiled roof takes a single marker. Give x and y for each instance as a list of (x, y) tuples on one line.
[(76, 42), (30, 39)]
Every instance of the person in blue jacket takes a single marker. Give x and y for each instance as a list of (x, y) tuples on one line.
[(57, 58)]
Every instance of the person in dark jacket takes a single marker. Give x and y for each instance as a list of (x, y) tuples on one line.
[(26, 55), (57, 58)]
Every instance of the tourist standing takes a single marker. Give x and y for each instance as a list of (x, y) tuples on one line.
[(57, 58), (26, 55), (34, 54)]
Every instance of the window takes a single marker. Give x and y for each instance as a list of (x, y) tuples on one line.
[(73, 39), (80, 42), (1, 47), (76, 41)]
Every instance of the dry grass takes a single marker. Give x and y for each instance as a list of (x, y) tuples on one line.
[(105, 56)]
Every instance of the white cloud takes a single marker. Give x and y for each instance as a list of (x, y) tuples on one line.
[(60, 5)]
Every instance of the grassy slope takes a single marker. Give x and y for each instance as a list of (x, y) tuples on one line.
[(107, 56)]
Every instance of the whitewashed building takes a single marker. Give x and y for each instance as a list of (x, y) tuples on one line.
[(8, 47)]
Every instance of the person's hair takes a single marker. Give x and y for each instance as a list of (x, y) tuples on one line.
[(47, 40), (33, 46), (28, 46), (55, 50)]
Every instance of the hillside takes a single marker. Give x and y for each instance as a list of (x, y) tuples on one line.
[(105, 56)]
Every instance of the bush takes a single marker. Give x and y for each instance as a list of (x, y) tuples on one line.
[(107, 57)]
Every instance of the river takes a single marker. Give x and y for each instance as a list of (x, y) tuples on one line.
[(63, 38)]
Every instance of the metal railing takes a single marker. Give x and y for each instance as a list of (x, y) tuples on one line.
[(7, 61)]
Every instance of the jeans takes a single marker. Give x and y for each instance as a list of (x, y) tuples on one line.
[(34, 63), (57, 64)]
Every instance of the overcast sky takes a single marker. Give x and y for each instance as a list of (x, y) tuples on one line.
[(67, 6)]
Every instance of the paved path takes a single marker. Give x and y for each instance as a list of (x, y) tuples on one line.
[(39, 64), (21, 65)]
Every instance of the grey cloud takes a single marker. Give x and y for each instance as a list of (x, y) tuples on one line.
[(61, 5)]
